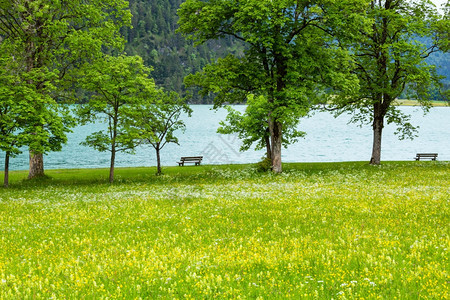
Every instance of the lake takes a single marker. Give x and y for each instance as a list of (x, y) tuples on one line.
[(328, 139)]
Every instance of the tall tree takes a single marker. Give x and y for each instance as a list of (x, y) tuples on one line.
[(51, 39), (291, 52), (118, 86), (389, 57), (157, 119)]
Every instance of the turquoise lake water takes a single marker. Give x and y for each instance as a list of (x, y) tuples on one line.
[(327, 140)]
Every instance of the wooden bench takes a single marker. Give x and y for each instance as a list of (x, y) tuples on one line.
[(431, 156), (190, 159)]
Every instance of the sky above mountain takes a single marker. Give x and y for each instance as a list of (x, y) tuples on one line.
[(438, 2)]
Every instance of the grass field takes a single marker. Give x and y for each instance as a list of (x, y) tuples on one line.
[(317, 231)]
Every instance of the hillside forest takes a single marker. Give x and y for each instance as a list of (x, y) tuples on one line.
[(153, 37), (171, 56)]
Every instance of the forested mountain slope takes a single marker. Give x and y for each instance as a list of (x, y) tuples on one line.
[(153, 37), (172, 57), (442, 62)]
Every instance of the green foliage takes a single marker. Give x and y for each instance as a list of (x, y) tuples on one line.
[(152, 36), (29, 105), (49, 41), (291, 55), (442, 31), (10, 138), (157, 118), (264, 165), (118, 86), (389, 59), (252, 127)]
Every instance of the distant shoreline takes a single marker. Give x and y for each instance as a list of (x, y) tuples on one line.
[(405, 102)]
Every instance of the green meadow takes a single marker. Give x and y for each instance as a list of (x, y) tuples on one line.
[(316, 231)]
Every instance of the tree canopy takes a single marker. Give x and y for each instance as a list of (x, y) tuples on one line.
[(157, 119), (119, 85), (291, 54), (173, 57), (252, 126), (389, 58), (11, 99), (50, 39)]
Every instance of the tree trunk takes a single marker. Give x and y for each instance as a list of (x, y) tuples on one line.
[(36, 165), (113, 135), (158, 162), (279, 99), (276, 138), (268, 148), (6, 178), (377, 133), (111, 167)]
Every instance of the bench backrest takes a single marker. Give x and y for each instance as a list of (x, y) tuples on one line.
[(192, 158), (426, 154)]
